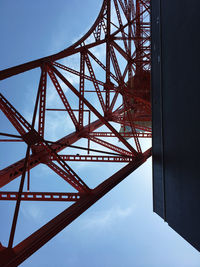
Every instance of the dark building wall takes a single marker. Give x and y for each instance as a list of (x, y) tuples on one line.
[(176, 115)]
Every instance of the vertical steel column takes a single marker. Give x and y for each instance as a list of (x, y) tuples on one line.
[(42, 105), (81, 88), (108, 56)]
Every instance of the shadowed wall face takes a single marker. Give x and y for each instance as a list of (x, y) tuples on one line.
[(175, 98)]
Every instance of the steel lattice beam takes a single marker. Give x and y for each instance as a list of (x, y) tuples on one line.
[(40, 196)]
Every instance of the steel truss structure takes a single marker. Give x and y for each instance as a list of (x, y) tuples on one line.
[(109, 107)]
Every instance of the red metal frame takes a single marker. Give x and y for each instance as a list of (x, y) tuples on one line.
[(40, 196), (116, 96)]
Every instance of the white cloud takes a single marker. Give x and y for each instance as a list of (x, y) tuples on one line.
[(104, 219), (32, 211)]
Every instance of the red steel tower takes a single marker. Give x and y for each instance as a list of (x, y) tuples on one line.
[(109, 108)]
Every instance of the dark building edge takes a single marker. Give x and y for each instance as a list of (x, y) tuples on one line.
[(175, 84), (157, 120)]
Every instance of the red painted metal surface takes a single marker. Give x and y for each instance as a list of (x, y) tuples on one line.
[(40, 196), (112, 96)]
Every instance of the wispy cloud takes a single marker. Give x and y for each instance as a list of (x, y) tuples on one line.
[(32, 212), (104, 219)]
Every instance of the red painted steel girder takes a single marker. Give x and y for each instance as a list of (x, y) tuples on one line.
[(96, 158), (40, 196), (112, 95), (128, 135)]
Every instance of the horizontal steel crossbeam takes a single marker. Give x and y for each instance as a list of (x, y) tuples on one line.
[(40, 196), (95, 158)]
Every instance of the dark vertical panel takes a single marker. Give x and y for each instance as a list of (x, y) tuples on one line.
[(177, 115), (157, 140)]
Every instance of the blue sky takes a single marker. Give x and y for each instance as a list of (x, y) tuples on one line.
[(120, 230)]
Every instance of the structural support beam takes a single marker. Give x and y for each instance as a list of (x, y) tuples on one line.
[(96, 158), (124, 134), (40, 196), (15, 256)]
